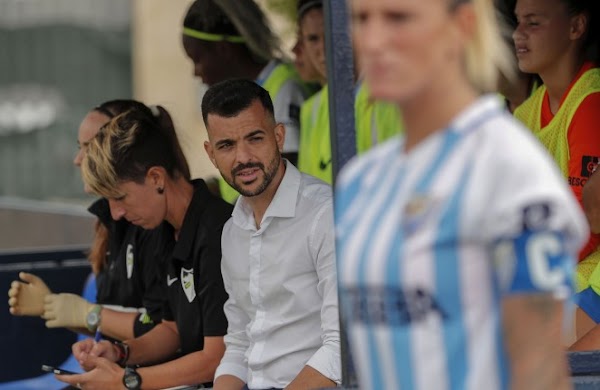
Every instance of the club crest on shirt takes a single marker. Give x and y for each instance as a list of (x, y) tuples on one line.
[(187, 282), (589, 164), (416, 211), (129, 260)]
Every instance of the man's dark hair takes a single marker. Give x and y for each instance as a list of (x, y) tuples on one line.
[(230, 97)]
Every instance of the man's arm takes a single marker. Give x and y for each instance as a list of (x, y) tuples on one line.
[(232, 371), (532, 326), (323, 369)]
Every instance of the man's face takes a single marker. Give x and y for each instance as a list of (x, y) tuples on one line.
[(246, 148)]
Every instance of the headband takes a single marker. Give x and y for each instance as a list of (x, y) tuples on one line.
[(190, 32), (307, 6), (155, 111)]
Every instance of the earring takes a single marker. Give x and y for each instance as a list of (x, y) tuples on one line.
[(160, 190)]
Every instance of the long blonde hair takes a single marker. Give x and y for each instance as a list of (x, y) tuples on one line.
[(488, 55)]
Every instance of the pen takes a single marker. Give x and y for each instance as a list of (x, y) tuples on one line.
[(98, 335)]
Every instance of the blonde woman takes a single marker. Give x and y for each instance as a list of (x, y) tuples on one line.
[(456, 240)]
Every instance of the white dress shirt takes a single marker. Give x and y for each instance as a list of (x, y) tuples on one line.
[(281, 280)]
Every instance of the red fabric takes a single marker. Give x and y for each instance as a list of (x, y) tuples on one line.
[(584, 142)]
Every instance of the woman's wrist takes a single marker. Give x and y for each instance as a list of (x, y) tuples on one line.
[(122, 350)]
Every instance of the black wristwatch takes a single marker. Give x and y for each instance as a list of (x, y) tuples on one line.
[(131, 379)]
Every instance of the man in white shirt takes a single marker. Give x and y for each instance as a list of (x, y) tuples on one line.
[(278, 261)]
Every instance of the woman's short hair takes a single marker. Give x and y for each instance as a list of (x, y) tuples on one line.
[(128, 146)]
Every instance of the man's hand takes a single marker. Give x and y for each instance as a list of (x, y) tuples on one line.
[(66, 311), (27, 299), (106, 375)]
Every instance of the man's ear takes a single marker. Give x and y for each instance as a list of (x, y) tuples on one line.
[(280, 136), (156, 176), (210, 152)]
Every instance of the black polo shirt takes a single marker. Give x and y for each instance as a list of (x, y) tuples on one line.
[(132, 276), (195, 290)]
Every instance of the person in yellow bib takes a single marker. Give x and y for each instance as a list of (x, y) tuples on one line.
[(555, 39), (375, 121), (232, 39)]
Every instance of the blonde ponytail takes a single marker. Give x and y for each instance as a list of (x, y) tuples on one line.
[(488, 56)]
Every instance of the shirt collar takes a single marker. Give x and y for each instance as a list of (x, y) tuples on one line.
[(481, 110), (283, 204), (101, 209)]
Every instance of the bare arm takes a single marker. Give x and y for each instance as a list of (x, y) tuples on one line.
[(118, 325), (532, 333), (159, 344), (196, 367), (589, 342)]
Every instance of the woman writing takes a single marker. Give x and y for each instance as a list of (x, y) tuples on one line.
[(133, 163)]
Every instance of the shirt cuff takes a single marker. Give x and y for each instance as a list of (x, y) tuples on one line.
[(229, 368), (327, 361)]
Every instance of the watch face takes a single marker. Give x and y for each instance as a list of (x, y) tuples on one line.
[(92, 319), (131, 380)]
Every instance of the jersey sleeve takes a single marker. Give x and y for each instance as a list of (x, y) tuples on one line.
[(534, 225)]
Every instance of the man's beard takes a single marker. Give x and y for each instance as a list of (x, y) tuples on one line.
[(268, 176)]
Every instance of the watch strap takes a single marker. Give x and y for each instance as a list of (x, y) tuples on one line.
[(132, 379), (92, 319), (123, 353)]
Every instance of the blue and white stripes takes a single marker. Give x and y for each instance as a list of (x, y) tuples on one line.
[(417, 281)]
